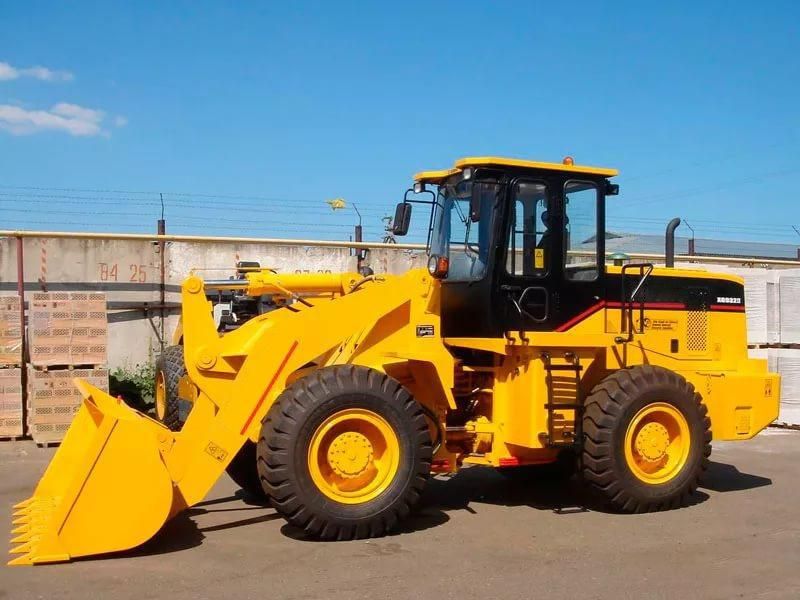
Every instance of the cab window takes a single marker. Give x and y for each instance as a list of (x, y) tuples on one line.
[(530, 237), (464, 240), (581, 258)]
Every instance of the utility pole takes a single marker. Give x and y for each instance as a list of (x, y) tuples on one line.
[(161, 229), (691, 240), (361, 254)]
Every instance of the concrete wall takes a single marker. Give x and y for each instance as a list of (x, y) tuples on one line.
[(129, 273)]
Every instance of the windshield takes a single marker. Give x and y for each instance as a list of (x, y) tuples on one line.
[(465, 243)]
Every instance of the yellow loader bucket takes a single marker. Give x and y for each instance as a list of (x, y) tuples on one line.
[(106, 489)]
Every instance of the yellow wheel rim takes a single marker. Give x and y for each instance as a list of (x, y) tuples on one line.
[(353, 456), (161, 396), (657, 443)]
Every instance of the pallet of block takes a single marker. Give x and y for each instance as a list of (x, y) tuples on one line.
[(10, 331), (53, 400), (11, 403), (67, 328), (786, 361)]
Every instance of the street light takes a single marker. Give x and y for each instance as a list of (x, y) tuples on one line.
[(361, 253)]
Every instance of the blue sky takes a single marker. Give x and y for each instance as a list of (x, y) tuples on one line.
[(263, 111)]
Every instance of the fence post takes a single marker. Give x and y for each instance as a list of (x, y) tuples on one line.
[(23, 341)]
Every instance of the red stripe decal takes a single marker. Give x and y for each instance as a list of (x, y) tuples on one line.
[(727, 307), (269, 387), (585, 314)]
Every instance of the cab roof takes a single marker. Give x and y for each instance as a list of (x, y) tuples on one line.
[(436, 177)]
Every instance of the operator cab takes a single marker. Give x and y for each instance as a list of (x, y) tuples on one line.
[(518, 245)]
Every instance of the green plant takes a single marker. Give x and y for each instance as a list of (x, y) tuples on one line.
[(136, 385)]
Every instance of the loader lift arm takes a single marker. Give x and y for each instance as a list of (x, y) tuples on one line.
[(119, 475)]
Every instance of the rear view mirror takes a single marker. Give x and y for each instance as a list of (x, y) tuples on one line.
[(475, 204), (612, 189), (402, 219)]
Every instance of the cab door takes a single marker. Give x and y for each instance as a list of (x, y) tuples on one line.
[(552, 275)]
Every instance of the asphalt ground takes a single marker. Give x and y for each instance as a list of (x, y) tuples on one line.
[(476, 535)]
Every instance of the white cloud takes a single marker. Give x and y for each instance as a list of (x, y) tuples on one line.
[(8, 73), (120, 121), (69, 118)]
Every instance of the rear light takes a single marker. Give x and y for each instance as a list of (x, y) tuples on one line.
[(438, 266)]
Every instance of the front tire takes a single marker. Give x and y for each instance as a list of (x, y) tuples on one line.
[(344, 453), (647, 439)]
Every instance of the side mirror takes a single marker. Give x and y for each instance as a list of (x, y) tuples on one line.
[(475, 204), (402, 219), (612, 189)]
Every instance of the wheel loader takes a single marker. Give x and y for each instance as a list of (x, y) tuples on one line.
[(516, 347)]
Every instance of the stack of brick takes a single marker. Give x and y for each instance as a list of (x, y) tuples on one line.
[(53, 399), (10, 368), (68, 329), (10, 402), (68, 338)]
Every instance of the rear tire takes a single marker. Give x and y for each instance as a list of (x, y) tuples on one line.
[(169, 370), (647, 439), (344, 453), (243, 469)]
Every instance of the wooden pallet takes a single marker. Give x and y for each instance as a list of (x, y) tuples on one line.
[(47, 368), (54, 444), (774, 346)]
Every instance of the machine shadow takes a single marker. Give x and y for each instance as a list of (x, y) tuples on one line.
[(486, 486), (441, 495), (183, 533), (425, 517), (722, 477), (180, 533)]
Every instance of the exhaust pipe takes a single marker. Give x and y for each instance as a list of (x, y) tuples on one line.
[(669, 250)]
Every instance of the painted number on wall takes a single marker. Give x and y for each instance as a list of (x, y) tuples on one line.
[(138, 273), (110, 272)]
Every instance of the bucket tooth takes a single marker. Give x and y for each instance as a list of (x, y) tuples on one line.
[(22, 548), (25, 559), (20, 529), (24, 520), (22, 538), (23, 504)]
